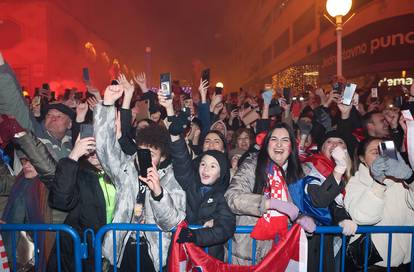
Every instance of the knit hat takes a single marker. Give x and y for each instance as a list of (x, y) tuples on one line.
[(63, 109), (330, 134), (223, 180)]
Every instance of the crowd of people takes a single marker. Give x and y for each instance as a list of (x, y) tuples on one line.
[(266, 160)]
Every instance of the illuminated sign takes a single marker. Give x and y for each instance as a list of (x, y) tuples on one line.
[(396, 81)]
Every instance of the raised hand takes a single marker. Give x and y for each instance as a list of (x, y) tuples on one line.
[(203, 90), (345, 110), (128, 86), (141, 80), (152, 181), (166, 103), (94, 91), (391, 116), (284, 105), (112, 94), (92, 101), (81, 111), (82, 147)]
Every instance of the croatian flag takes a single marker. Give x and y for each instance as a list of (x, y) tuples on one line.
[(290, 254)]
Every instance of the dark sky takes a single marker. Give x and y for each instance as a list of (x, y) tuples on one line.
[(178, 31)]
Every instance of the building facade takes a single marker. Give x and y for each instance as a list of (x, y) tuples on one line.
[(275, 37)]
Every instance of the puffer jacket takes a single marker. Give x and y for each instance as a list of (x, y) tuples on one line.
[(202, 208), (166, 213), (248, 207), (370, 203)]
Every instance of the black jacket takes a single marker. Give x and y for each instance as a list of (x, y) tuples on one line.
[(76, 190), (323, 196), (202, 208)]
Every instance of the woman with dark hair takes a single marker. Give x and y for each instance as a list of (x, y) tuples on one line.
[(376, 196), (258, 194)]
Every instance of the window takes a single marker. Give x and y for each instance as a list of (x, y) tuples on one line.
[(281, 44), (304, 24)]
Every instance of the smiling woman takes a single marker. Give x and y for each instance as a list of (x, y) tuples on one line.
[(259, 194)]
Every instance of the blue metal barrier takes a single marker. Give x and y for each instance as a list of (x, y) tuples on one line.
[(150, 227), (246, 230), (80, 248), (367, 230), (35, 228)]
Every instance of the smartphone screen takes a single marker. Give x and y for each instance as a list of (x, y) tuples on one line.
[(398, 101), (144, 161), (348, 93), (85, 74), (387, 148), (205, 75), (374, 93), (219, 90), (86, 130), (286, 95), (165, 84)]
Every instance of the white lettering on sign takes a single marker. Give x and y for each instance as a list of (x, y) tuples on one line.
[(372, 47), (391, 40), (397, 81)]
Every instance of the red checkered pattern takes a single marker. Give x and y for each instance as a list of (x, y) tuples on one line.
[(4, 263), (276, 190)]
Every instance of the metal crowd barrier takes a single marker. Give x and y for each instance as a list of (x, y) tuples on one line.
[(79, 249), (368, 230)]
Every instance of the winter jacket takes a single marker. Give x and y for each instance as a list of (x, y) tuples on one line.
[(166, 213), (324, 193), (7, 180), (201, 209), (27, 201), (76, 189), (12, 101), (370, 203), (248, 207)]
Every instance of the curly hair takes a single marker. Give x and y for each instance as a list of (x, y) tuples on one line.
[(154, 136)]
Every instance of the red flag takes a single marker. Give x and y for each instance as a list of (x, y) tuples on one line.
[(290, 254)]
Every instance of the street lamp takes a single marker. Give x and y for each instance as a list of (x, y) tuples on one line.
[(337, 9)]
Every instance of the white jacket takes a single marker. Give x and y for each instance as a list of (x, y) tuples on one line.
[(370, 203)]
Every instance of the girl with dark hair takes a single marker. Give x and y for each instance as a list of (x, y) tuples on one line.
[(376, 196), (258, 194)]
